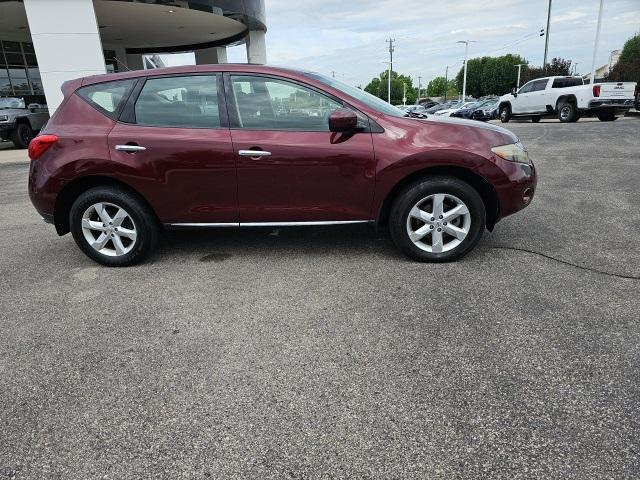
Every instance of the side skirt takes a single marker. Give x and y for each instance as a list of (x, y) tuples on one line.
[(264, 224)]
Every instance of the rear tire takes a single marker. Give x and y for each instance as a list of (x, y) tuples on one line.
[(446, 239), (567, 112), (505, 114), (607, 117), (535, 119), (113, 227), (22, 135)]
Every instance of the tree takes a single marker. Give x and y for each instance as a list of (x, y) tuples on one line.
[(628, 67), (557, 67), (490, 75), (438, 85), (378, 86)]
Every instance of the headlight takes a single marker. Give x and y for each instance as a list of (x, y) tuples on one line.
[(514, 152), (4, 118)]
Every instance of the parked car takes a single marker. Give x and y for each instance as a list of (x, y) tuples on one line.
[(429, 104), (453, 108), (469, 110), (415, 109), (568, 98), (131, 153), (19, 121), (488, 111), (441, 106)]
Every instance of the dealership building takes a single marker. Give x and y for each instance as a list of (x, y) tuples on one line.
[(43, 43)]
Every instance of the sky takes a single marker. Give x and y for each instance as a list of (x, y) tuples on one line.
[(348, 37)]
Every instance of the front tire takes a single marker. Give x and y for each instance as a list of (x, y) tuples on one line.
[(607, 117), (505, 114), (22, 135), (438, 219), (113, 227)]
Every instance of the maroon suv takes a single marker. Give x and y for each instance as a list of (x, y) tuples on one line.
[(129, 154)]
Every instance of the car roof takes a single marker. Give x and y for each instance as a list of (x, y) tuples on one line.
[(187, 69)]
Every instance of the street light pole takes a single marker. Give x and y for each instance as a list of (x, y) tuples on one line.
[(546, 38), (391, 49), (595, 45), (419, 86), (446, 82), (519, 67), (464, 81)]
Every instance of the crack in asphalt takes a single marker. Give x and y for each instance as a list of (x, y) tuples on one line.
[(565, 262)]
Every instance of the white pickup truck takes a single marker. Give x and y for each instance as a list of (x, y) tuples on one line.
[(568, 98)]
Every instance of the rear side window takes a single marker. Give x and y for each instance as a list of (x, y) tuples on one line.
[(186, 101), (107, 97)]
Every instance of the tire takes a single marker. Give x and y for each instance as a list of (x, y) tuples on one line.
[(505, 113), (22, 135), (607, 117), (535, 119), (121, 249), (420, 199), (567, 112)]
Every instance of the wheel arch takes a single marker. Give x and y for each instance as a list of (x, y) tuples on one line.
[(505, 103), (71, 191), (24, 120), (570, 98), (482, 186)]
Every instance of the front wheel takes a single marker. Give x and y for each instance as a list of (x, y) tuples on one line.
[(439, 219), (113, 227), (505, 114), (607, 117), (22, 135)]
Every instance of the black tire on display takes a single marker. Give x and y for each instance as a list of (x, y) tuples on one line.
[(113, 226), (449, 236), (567, 112), (505, 114), (22, 135)]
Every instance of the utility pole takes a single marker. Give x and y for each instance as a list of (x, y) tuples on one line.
[(419, 86), (446, 82), (595, 45), (404, 93), (519, 67), (546, 38), (464, 81), (391, 49)]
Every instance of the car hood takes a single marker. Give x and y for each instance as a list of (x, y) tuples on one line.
[(454, 121)]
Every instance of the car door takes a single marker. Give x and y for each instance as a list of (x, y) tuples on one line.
[(538, 96), (291, 168), (175, 130), (521, 103)]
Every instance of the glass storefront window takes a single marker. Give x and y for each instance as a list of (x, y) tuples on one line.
[(19, 72)]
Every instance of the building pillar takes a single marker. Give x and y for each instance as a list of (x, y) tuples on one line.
[(134, 61), (211, 55), (66, 41), (256, 48)]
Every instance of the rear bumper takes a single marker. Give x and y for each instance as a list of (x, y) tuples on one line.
[(609, 104)]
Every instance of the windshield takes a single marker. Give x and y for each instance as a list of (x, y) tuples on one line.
[(364, 97), (11, 102)]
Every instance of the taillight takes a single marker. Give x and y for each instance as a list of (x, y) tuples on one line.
[(41, 144), (596, 90)]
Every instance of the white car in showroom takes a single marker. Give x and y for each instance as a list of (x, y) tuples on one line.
[(568, 99)]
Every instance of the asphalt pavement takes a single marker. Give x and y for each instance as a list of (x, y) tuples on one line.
[(323, 353)]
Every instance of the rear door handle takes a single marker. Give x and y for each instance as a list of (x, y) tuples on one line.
[(130, 148), (253, 153)]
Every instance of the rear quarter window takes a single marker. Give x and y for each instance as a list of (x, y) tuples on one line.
[(107, 97)]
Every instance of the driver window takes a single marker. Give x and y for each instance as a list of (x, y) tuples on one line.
[(265, 103), (527, 88)]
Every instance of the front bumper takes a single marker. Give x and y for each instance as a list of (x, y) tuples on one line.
[(5, 130)]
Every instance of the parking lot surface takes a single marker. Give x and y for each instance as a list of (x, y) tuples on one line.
[(323, 353)]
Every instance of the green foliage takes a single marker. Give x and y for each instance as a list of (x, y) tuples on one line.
[(557, 67), (438, 85), (490, 75), (378, 86), (628, 67)]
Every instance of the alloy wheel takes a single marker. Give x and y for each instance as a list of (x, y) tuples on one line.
[(438, 223), (109, 229)]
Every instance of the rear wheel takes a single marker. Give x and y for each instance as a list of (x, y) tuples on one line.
[(567, 112), (536, 119), (22, 135), (438, 219), (113, 227), (505, 113), (607, 117)]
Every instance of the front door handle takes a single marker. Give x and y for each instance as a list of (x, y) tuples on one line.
[(253, 153), (130, 148)]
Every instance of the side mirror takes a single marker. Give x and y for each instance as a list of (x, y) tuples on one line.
[(514, 91), (343, 120)]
